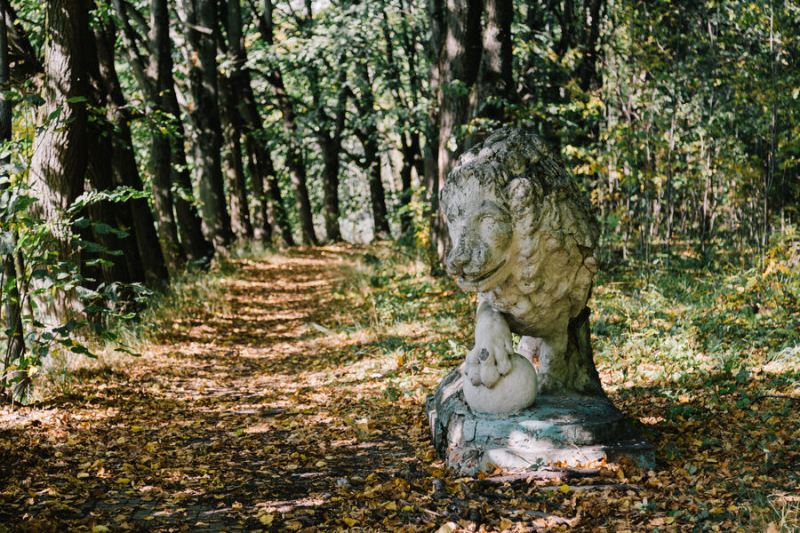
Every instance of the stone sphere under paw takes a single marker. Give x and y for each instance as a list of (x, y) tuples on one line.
[(515, 391)]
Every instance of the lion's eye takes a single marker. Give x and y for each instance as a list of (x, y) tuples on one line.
[(487, 218)]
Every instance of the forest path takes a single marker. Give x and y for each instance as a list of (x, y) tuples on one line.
[(242, 419)]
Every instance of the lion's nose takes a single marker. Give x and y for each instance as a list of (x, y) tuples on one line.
[(457, 259)]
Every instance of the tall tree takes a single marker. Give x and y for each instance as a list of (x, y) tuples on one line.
[(459, 57), (329, 137), (136, 213), (176, 214), (61, 153), (367, 133), (200, 26), (494, 86), (295, 162), (15, 345), (407, 100), (269, 212), (232, 162)]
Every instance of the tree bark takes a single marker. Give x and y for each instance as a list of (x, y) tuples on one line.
[(136, 212), (267, 216), (15, 345), (294, 157), (493, 87), (60, 157), (200, 23), (264, 171), (459, 64), (294, 160), (368, 135), (329, 137), (157, 84), (232, 161)]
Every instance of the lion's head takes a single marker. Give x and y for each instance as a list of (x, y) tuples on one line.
[(510, 205)]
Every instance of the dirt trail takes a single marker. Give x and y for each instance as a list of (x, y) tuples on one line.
[(241, 420)]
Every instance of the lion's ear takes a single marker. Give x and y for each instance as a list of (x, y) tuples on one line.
[(521, 194)]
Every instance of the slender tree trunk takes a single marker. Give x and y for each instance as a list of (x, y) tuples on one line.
[(377, 195), (294, 160), (264, 171), (368, 135), (493, 87), (232, 161), (200, 29), (124, 170), (330, 180), (458, 66), (15, 345), (294, 157), (330, 143), (231, 102), (250, 125)]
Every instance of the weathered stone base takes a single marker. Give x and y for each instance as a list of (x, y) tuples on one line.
[(556, 429)]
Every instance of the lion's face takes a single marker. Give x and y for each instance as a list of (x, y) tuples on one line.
[(481, 229)]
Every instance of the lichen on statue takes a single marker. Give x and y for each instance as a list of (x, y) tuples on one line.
[(524, 239)]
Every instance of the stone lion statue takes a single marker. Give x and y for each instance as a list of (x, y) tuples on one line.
[(523, 238)]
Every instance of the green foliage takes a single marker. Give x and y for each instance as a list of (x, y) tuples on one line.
[(682, 326), (52, 264)]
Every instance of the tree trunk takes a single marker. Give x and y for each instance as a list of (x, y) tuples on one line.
[(157, 84), (15, 345), (494, 84), (377, 196), (294, 160), (59, 161), (459, 64), (136, 212), (330, 179), (249, 122), (232, 161), (294, 157), (368, 135), (200, 30), (231, 102), (263, 170), (330, 143)]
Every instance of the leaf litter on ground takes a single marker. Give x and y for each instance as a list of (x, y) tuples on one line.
[(297, 404)]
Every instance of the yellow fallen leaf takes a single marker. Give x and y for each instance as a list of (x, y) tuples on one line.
[(149, 517), (266, 519), (390, 506), (565, 488), (320, 464), (449, 527), (669, 519), (100, 529), (123, 480), (82, 475), (407, 508), (136, 429), (349, 521), (362, 426), (293, 525), (505, 524)]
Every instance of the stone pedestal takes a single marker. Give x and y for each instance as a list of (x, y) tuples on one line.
[(571, 431)]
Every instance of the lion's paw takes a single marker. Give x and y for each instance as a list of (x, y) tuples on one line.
[(487, 364)]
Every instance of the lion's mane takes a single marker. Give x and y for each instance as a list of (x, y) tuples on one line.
[(551, 218)]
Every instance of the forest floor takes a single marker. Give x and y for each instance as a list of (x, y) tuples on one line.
[(295, 402)]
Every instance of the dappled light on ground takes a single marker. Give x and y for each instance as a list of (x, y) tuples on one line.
[(296, 403)]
